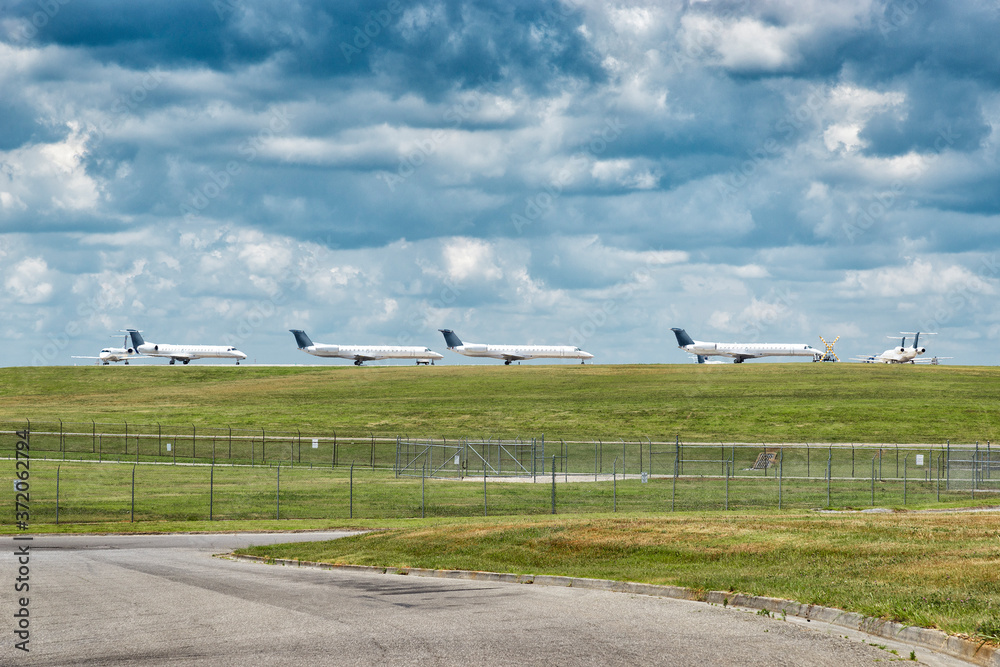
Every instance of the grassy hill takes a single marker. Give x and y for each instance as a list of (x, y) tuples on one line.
[(795, 402)]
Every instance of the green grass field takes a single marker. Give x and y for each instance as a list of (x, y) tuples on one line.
[(796, 402), (930, 570)]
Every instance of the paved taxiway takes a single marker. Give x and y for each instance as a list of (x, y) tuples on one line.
[(159, 599)]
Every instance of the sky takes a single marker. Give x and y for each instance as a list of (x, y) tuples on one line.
[(562, 172)]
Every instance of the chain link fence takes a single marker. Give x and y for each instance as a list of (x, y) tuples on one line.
[(136, 472)]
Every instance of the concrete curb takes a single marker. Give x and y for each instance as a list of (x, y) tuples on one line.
[(958, 647)]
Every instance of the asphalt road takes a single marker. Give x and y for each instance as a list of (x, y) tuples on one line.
[(163, 599)]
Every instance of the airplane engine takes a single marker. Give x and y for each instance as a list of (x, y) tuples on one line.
[(901, 350), (921, 350)]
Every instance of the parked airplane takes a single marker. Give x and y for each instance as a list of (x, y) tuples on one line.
[(903, 354), (511, 353), (184, 353), (362, 353), (115, 354), (743, 351)]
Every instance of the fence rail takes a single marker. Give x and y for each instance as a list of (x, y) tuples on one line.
[(132, 472)]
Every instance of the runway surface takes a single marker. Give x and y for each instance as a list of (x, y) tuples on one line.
[(163, 599)]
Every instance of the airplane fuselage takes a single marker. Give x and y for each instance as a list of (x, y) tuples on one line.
[(372, 352), (521, 352), (741, 351), (186, 353), (509, 353), (363, 353)]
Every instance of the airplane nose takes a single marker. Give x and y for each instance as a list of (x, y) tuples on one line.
[(587, 355)]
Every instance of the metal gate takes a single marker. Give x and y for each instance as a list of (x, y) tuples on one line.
[(470, 458)]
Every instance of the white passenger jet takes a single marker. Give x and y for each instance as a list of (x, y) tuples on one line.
[(184, 353), (362, 353), (740, 352), (115, 354), (903, 354), (511, 353)]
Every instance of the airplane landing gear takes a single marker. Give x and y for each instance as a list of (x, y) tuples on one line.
[(172, 361), (506, 362), (357, 362)]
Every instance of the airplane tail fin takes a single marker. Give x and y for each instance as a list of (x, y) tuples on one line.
[(136, 338), (301, 339), (450, 339), (682, 337)]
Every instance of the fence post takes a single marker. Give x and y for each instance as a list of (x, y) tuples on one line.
[(423, 496), (299, 431), (939, 466), (126, 435), (194, 443), (132, 519), (673, 487), (263, 447), (829, 474), (905, 458), (727, 486), (211, 490), (807, 459), (614, 485), (947, 469), (277, 496), (873, 480), (781, 468), (595, 461), (351, 513), (373, 449), (485, 507), (57, 494), (553, 484), (100, 448), (93, 437)]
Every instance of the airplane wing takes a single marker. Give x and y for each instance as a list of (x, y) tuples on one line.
[(79, 357), (513, 357), (361, 357)]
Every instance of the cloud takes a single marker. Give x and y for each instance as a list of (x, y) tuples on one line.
[(569, 169), (28, 281)]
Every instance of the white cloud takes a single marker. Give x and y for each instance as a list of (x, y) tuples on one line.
[(28, 281)]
